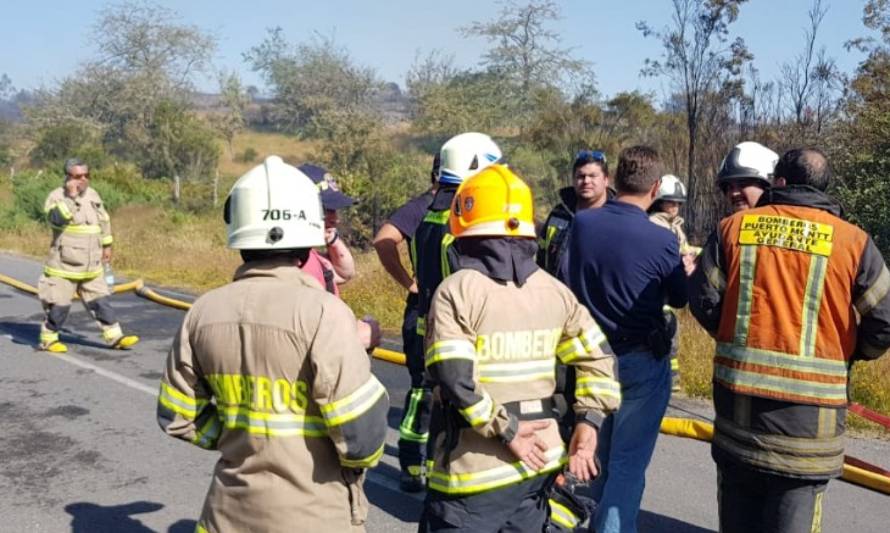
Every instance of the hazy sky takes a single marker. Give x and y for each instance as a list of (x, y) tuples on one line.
[(43, 41)]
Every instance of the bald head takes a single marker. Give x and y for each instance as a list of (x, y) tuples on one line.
[(804, 166)]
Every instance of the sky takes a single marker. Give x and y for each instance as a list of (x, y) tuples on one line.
[(44, 41)]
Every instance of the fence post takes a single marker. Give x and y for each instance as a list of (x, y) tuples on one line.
[(216, 188), (176, 189)]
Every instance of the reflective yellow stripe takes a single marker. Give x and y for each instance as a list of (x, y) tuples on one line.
[(272, 424), (366, 462), (500, 476), (816, 526), (675, 364), (595, 386), (747, 269), (437, 217), (783, 361), (562, 515), (580, 346), (112, 333), (208, 434), (481, 412), (107, 240), (452, 349), (200, 529), (421, 326), (62, 208), (77, 276), (178, 402), (447, 241), (406, 431), (48, 336), (354, 405), (79, 229), (517, 371), (877, 292)]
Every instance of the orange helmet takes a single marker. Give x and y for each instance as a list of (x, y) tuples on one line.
[(494, 202)]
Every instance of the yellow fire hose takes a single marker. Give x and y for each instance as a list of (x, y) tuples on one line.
[(680, 427)]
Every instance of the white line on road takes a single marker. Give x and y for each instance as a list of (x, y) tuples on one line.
[(114, 376)]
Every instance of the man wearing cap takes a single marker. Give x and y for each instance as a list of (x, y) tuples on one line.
[(335, 266)]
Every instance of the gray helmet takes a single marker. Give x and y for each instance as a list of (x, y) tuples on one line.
[(746, 161)]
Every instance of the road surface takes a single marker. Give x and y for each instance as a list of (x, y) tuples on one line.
[(82, 451)]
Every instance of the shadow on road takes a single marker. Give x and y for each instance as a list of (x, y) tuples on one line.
[(94, 518), (392, 502), (28, 333), (183, 526), (656, 523)]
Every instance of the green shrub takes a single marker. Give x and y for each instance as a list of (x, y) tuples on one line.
[(249, 155)]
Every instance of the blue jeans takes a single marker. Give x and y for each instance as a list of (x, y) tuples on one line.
[(627, 439)]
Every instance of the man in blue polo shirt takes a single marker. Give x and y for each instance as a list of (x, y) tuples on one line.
[(624, 281)]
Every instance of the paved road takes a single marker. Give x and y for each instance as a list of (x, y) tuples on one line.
[(82, 451)]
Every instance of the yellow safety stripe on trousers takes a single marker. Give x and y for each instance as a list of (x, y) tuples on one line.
[(62, 207), (79, 229), (450, 349), (365, 462), (208, 434), (200, 529), (595, 386), (580, 346), (493, 478), (877, 292), (517, 371), (551, 232), (272, 424), (112, 333), (406, 431), (179, 402), (107, 240), (420, 329), (75, 276), (48, 336), (481, 412), (353, 405), (562, 515)]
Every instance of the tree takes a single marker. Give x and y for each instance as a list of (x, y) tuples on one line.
[(229, 119), (700, 61), (525, 55), (313, 83)]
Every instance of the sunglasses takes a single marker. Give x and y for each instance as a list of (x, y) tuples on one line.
[(590, 155), (79, 176)]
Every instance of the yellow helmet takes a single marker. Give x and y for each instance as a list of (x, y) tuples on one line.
[(494, 202)]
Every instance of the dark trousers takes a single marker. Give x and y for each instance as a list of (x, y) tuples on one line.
[(519, 508), (415, 425), (748, 500)]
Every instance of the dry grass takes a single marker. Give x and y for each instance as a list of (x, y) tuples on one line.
[(288, 147)]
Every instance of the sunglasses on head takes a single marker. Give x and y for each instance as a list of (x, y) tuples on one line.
[(590, 155)]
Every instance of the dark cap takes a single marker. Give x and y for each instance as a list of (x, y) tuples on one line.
[(331, 196)]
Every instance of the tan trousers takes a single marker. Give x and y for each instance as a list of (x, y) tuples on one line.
[(55, 295)]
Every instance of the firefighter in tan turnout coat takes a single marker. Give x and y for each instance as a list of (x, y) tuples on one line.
[(495, 330), (269, 371), (81, 245)]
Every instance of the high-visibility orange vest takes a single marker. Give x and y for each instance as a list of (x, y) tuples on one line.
[(788, 327)]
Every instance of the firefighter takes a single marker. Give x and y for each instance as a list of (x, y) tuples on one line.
[(460, 157), (793, 295), (80, 249), (400, 227), (745, 173), (268, 370), (496, 329), (590, 189), (665, 212)]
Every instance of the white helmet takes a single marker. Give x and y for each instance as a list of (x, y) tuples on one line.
[(466, 154), (671, 189), (748, 160), (274, 206)]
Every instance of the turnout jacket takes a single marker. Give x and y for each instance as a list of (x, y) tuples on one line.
[(494, 344), (675, 225), (81, 227), (793, 295), (268, 370), (553, 240), (432, 255)]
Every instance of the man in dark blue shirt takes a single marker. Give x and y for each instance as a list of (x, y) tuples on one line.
[(624, 269)]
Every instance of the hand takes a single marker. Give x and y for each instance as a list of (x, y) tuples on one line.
[(330, 235), (582, 450), (526, 445), (106, 255), (72, 188), (374, 333), (689, 264), (413, 288)]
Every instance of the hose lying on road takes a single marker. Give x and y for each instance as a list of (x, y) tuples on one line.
[(855, 470)]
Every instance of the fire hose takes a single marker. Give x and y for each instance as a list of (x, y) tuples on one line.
[(855, 470)]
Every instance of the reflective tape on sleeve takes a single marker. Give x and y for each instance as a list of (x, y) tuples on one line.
[(353, 405)]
